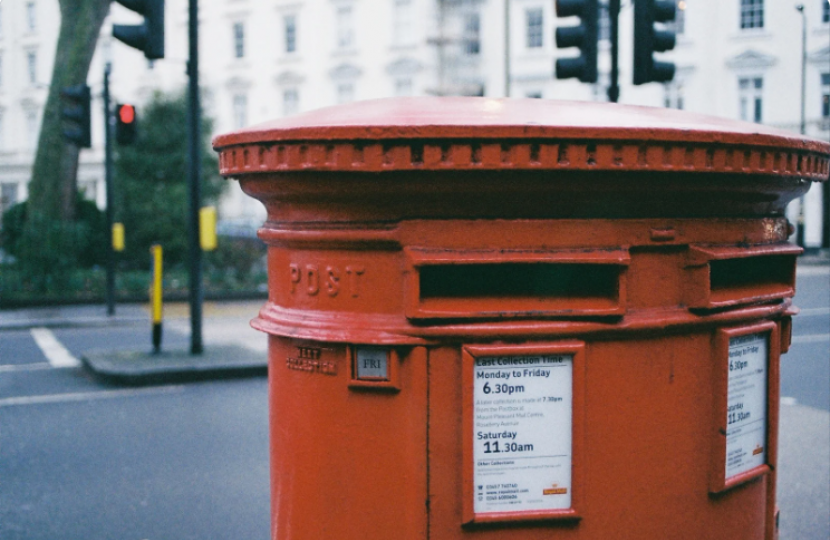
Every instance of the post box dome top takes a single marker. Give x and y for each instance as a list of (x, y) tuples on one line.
[(432, 133)]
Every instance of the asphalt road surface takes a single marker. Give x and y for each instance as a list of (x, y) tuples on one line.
[(83, 460)]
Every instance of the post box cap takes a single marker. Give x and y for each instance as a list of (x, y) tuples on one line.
[(468, 133)]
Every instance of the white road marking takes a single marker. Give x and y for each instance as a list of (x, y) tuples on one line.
[(817, 270), (56, 354), (811, 338), (89, 396), (5, 368), (814, 311)]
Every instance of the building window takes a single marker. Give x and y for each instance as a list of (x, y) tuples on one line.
[(8, 196), (604, 22), (31, 65), (402, 23), (825, 95), (472, 34), (534, 95), (534, 20), (239, 40), (290, 101), (31, 16), (680, 18), (825, 11), (752, 14), (290, 26), (345, 30), (31, 129), (750, 90), (240, 111), (403, 86), (345, 92), (673, 95)]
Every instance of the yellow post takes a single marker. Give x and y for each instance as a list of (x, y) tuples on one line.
[(118, 237), (207, 228), (156, 295)]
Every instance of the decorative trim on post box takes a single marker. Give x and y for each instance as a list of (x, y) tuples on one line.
[(746, 385), (513, 469), (727, 276), (498, 284)]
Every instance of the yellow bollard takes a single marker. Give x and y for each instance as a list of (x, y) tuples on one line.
[(207, 228), (156, 295), (118, 237)]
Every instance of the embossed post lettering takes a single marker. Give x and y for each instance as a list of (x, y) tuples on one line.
[(332, 281), (354, 272), (313, 279), (295, 276)]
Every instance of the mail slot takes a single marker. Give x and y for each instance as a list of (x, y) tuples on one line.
[(523, 319)]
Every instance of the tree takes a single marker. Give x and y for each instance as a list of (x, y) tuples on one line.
[(53, 187), (151, 181)]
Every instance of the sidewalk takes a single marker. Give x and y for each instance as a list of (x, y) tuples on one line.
[(231, 347)]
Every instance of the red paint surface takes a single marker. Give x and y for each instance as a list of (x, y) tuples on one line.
[(683, 213)]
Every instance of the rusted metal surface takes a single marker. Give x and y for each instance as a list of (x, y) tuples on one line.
[(408, 237)]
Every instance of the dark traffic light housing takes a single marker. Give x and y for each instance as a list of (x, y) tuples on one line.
[(76, 115), (125, 119), (584, 36), (648, 40), (147, 37)]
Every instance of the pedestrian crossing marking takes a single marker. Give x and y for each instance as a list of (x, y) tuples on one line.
[(55, 353)]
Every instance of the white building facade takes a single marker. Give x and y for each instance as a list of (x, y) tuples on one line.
[(263, 59)]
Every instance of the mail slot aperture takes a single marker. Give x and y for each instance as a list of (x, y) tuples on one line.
[(726, 276), (516, 284)]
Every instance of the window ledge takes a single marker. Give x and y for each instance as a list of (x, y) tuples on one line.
[(344, 52), (290, 58), (751, 33), (403, 47)]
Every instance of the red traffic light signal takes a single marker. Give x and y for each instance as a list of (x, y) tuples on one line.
[(125, 120), (126, 114)]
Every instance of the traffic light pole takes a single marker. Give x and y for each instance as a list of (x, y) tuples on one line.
[(614, 15), (108, 184), (194, 180)]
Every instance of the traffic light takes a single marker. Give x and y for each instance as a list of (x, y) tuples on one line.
[(584, 36), (76, 115), (125, 124), (147, 37), (648, 40)]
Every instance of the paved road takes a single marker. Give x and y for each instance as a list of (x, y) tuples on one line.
[(804, 453), (79, 459)]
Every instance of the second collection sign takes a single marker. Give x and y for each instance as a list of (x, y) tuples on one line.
[(522, 433)]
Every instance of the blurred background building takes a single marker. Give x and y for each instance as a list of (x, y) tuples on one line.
[(265, 59)]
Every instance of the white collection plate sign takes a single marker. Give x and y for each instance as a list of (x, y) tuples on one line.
[(746, 403), (522, 433)]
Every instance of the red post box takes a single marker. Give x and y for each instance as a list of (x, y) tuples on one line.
[(521, 319)]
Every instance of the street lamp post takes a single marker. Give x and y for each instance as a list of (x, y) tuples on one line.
[(799, 237)]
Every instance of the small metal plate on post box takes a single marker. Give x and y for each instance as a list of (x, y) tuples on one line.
[(371, 364)]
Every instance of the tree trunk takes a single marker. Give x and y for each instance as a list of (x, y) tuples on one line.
[(53, 187)]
